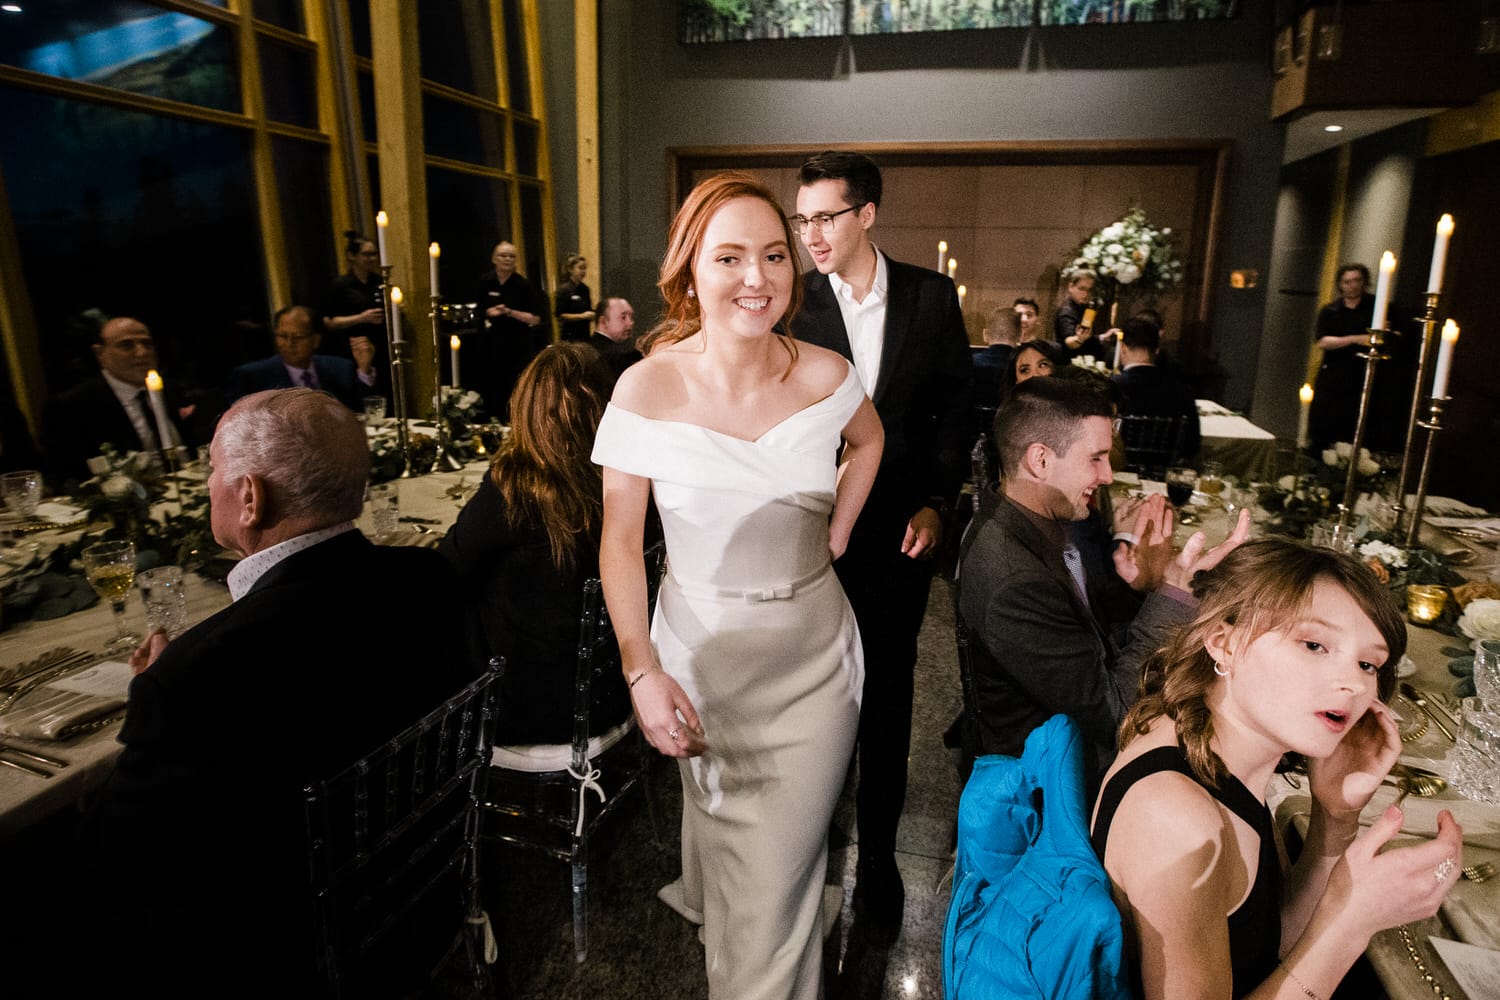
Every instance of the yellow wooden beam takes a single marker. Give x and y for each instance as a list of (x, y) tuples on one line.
[(403, 181), (23, 354), (1333, 246), (267, 199), (1462, 128), (586, 117)]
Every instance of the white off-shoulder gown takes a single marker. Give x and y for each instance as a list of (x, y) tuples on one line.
[(753, 624)]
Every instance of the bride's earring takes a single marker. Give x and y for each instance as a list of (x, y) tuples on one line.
[(692, 294)]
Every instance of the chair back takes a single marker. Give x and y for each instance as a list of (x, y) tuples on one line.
[(388, 838), (1152, 444)]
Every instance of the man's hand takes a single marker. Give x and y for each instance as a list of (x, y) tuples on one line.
[(1152, 560), (375, 315), (924, 533), (146, 653), (497, 310), (364, 354)]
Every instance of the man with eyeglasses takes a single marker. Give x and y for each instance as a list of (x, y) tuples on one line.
[(294, 365), (901, 327)]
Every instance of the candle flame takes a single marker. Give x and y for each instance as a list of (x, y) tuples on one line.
[(1388, 262), (963, 290), (153, 380), (434, 251), (1450, 332), (1305, 393), (382, 220), (1445, 225), (942, 246), (453, 341), (396, 295)]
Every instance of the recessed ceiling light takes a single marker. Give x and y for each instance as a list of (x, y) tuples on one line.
[(10, 8), (1333, 128)]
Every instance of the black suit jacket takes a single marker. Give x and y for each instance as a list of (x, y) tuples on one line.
[(922, 395), (339, 377), (78, 421), (1147, 390), (200, 828)]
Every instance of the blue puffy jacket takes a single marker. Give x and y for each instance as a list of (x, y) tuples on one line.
[(1031, 915)]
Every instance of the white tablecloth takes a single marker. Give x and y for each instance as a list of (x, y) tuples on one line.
[(1246, 451)]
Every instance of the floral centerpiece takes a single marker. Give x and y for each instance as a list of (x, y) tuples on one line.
[(387, 462), (1128, 253), (167, 518), (1295, 502), (1481, 619)]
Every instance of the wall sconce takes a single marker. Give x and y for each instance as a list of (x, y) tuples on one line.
[(1245, 277)]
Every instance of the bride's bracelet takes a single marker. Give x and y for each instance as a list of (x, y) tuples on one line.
[(636, 679)]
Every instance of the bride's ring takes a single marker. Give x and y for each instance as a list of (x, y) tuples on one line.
[(675, 734), (1444, 867)]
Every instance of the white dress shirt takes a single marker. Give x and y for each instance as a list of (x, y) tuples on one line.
[(865, 322), (141, 417), (251, 568)]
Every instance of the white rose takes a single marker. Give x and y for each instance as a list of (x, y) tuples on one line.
[(1368, 466), (1127, 273), (116, 487), (1167, 231), (1287, 482), (1113, 231), (1343, 448), (1330, 456), (1114, 249), (1481, 619)]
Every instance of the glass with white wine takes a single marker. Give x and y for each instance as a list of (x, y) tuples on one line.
[(110, 567)]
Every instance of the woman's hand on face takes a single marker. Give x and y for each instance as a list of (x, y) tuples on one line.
[(664, 709), (1371, 889), (1343, 782)]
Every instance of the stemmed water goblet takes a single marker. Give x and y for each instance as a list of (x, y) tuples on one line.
[(110, 568)]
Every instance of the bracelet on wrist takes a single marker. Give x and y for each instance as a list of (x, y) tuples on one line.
[(1299, 983), (640, 674)]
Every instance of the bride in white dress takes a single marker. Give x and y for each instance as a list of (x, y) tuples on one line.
[(751, 671)]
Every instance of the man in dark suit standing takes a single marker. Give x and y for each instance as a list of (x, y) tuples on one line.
[(112, 407), (294, 365), (200, 829), (901, 327), (1152, 391)]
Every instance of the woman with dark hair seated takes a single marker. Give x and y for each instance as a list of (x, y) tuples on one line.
[(528, 539), (1292, 650)]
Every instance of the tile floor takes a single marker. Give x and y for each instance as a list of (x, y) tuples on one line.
[(640, 948)]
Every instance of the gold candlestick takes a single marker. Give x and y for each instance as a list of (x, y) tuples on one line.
[(1373, 356), (398, 364), (445, 457), (1418, 391), (1433, 425)]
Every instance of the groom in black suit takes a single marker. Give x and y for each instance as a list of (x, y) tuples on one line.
[(901, 327)]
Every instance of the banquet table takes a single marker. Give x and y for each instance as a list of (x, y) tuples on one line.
[(1246, 451), (433, 501)]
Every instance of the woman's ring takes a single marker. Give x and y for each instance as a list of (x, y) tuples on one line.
[(1443, 869), (676, 734)]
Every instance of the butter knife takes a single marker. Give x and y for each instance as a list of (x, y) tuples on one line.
[(26, 767), (40, 758)]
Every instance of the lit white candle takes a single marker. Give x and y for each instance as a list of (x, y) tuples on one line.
[(1119, 339), (453, 345), (1383, 290), (1439, 254), (381, 221), (963, 290), (942, 253), (396, 314), (1445, 360), (433, 253), (1306, 395), (159, 409), (952, 266)]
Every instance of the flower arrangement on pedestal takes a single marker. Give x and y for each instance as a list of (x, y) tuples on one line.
[(1128, 253), (164, 515)]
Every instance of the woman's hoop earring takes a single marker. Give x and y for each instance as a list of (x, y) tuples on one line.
[(1219, 669)]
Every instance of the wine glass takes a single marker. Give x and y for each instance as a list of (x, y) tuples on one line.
[(1210, 478), (110, 567), (1181, 482), (22, 491)]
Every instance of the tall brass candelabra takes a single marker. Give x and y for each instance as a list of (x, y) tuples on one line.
[(1373, 356), (1419, 388), (445, 457), (397, 347), (1433, 425)]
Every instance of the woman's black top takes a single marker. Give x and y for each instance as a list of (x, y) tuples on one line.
[(523, 608), (1255, 926), (572, 298)]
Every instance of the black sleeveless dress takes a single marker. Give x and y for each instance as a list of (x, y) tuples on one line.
[(1255, 926)]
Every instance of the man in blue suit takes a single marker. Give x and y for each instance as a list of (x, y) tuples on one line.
[(296, 366)]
